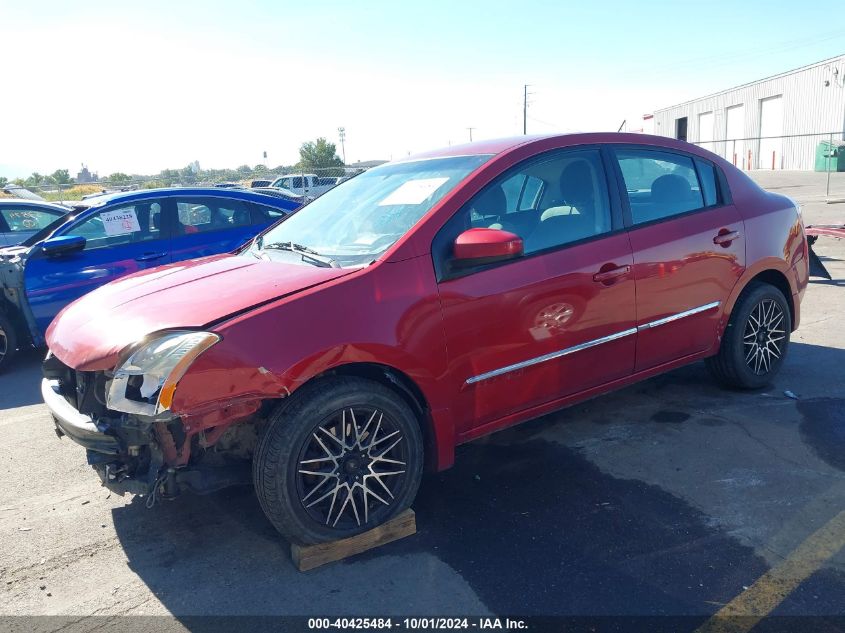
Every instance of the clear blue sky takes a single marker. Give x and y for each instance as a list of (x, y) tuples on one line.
[(137, 87)]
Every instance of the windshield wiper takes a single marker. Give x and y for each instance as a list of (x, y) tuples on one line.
[(307, 254)]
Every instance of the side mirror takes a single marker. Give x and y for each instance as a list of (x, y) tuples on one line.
[(63, 245), (484, 246)]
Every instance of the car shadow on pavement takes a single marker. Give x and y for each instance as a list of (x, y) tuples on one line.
[(20, 384), (520, 525), (828, 282), (530, 526)]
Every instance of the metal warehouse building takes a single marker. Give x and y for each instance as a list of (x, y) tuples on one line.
[(775, 123)]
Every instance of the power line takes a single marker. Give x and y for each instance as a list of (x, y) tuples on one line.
[(723, 59)]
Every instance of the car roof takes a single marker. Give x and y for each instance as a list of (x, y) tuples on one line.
[(216, 192), (502, 145), (37, 204)]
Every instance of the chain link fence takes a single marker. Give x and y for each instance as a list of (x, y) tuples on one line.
[(294, 182), (820, 155)]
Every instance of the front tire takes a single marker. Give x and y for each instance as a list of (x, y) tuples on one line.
[(341, 457), (756, 340), (8, 341)]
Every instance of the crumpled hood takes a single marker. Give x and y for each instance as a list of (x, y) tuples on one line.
[(90, 333)]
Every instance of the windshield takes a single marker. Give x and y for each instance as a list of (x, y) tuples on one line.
[(358, 220), (48, 230)]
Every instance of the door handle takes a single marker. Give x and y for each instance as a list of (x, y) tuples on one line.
[(148, 257), (725, 237), (605, 276)]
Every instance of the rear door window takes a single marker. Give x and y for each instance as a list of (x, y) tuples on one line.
[(659, 184), (262, 213), (201, 215)]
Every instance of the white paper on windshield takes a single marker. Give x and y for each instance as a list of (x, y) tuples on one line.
[(413, 191), (366, 239), (120, 222)]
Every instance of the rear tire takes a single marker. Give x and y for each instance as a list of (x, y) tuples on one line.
[(8, 341), (341, 457), (756, 339)]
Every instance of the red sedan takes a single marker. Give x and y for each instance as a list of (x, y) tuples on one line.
[(423, 304)]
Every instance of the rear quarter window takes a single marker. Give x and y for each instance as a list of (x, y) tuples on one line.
[(709, 188)]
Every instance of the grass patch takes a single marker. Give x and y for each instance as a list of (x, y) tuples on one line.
[(74, 193)]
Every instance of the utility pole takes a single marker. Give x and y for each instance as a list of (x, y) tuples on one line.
[(341, 131), (470, 133), (525, 108)]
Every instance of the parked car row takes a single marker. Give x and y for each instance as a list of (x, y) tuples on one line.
[(66, 255), (420, 305), (309, 185)]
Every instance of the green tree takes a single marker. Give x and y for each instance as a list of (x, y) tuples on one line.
[(34, 180), (61, 177), (318, 154), (169, 176), (244, 170), (118, 178), (3, 181), (187, 175)]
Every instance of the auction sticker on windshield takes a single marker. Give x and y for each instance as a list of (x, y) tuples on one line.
[(413, 191), (120, 222)]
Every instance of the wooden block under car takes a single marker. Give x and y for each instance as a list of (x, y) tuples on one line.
[(307, 557)]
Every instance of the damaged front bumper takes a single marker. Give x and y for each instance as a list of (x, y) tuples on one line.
[(122, 467), (131, 453), (75, 425)]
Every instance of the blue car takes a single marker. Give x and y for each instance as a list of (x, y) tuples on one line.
[(21, 219), (117, 235)]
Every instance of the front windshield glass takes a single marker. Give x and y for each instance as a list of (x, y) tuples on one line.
[(47, 231), (357, 221)]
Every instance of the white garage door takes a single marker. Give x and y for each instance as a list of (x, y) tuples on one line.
[(705, 130), (771, 124), (734, 128)]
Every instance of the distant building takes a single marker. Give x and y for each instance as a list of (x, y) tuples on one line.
[(644, 125), (366, 164), (85, 176), (774, 123)]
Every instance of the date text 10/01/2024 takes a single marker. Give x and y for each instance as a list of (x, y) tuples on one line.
[(417, 623)]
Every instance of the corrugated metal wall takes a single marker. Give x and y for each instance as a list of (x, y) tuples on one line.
[(809, 107)]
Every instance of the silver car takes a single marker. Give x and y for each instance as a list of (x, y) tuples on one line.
[(21, 219)]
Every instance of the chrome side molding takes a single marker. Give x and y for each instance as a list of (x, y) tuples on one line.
[(680, 315), (551, 356), (589, 344)]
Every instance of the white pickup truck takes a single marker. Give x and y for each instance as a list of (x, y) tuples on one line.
[(309, 185)]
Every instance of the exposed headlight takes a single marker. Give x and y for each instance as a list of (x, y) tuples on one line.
[(145, 381)]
